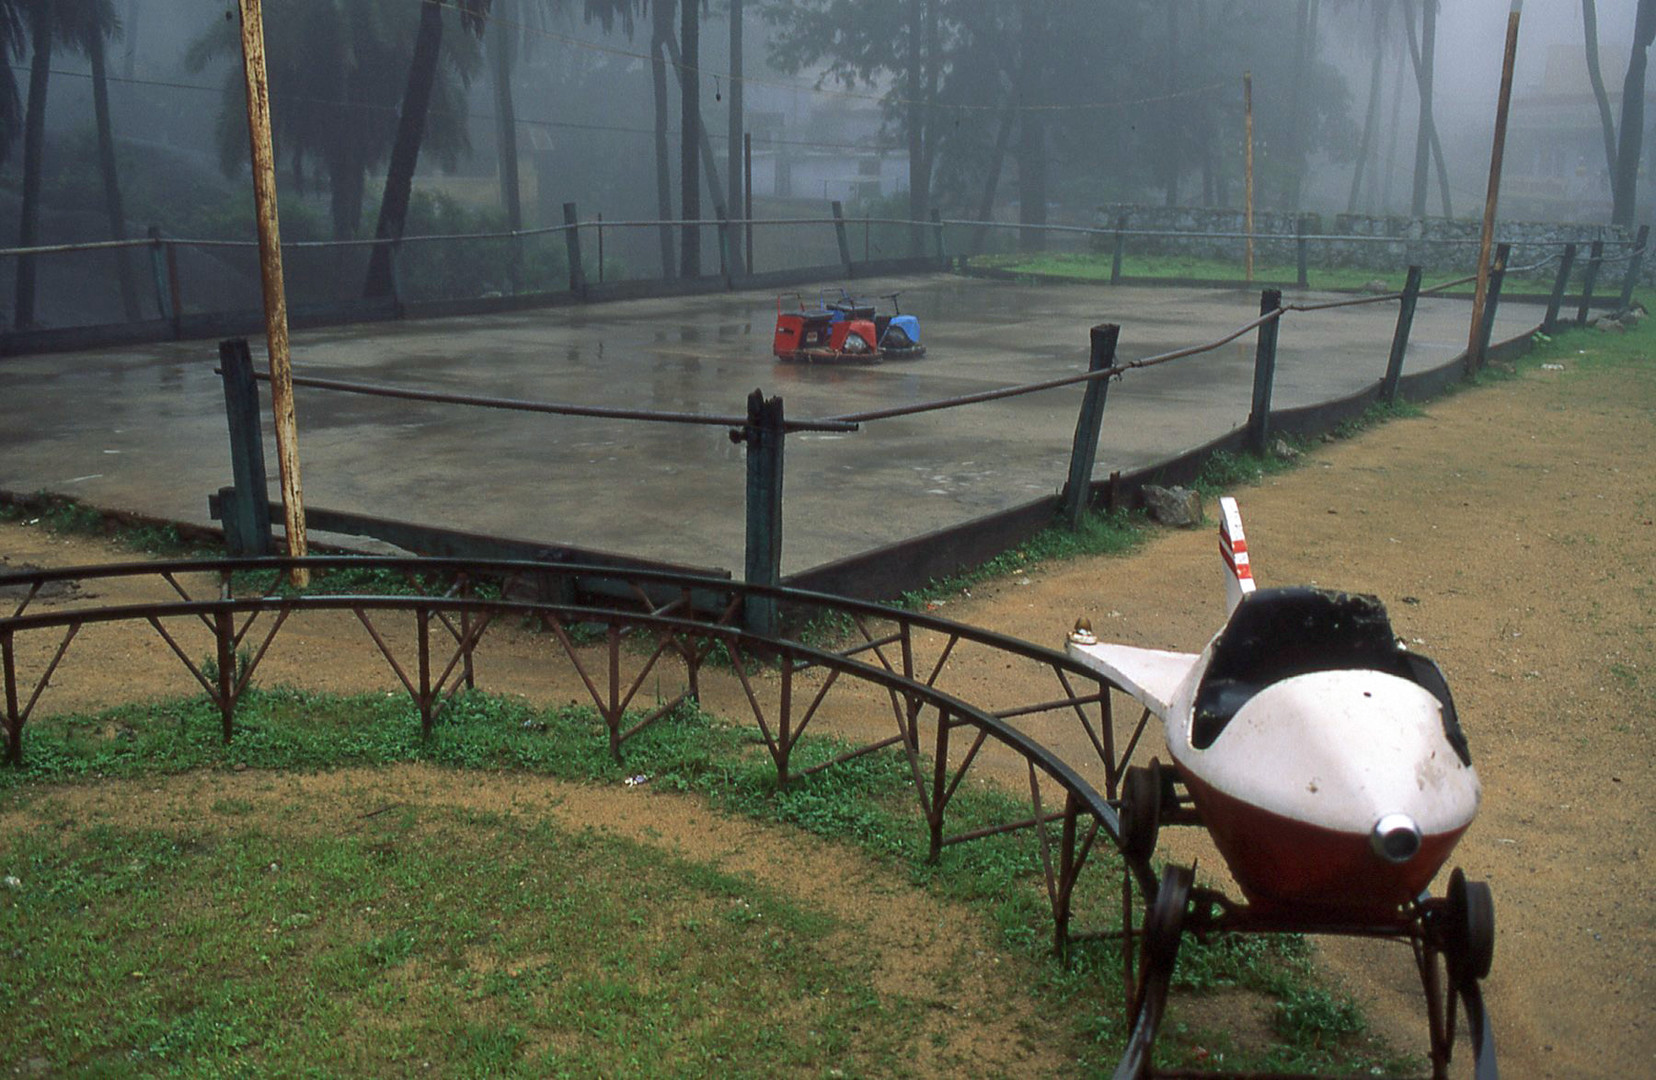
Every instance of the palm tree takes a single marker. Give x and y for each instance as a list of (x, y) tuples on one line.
[(72, 23), (94, 47), (1626, 176), (13, 34), (411, 124), (1589, 26)]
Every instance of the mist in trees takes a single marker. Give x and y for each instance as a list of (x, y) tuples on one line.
[(1024, 113)]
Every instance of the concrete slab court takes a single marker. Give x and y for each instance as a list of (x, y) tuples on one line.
[(143, 428)]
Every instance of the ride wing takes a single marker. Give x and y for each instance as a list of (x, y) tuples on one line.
[(1153, 676)]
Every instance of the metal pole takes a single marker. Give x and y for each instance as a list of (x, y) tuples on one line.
[(1303, 279), (747, 194), (733, 143), (937, 232), (1078, 489), (1400, 337), (247, 523), (270, 272), (839, 233), (1120, 249), (158, 269), (1259, 419), (1595, 259), (1497, 275), (1474, 348), (1247, 171), (1549, 325), (572, 249), (1634, 265), (14, 716), (764, 436)]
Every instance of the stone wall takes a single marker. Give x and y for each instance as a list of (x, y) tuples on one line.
[(1361, 241)]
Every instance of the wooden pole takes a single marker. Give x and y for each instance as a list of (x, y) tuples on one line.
[(1474, 350), (270, 272), (1247, 170)]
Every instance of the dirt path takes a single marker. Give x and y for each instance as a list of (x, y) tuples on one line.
[(1510, 532)]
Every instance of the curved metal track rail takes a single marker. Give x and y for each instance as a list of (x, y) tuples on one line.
[(914, 683)]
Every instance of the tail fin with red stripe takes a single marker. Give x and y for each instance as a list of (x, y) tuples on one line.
[(1233, 548)]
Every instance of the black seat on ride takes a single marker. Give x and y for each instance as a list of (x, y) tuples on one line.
[(1276, 634)]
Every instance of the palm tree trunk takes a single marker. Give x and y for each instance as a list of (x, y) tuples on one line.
[(1170, 152), (1589, 22), (915, 125), (1296, 107), (1032, 157), (1371, 118), (689, 136), (986, 208), (506, 147), (34, 143), (1425, 60), (111, 178), (405, 152), (1391, 138), (661, 31), (733, 127), (1632, 117)]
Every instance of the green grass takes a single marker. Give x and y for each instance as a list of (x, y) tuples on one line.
[(1115, 532), (61, 515), (1097, 267), (637, 961)]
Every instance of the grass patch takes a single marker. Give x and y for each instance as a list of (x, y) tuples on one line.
[(499, 944), (1097, 267), (467, 943), (1116, 532), (63, 516)]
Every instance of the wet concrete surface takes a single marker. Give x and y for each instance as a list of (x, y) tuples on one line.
[(143, 428)]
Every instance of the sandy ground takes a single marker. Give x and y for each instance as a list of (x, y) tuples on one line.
[(1511, 532)]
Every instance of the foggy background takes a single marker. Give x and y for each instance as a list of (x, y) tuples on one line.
[(1033, 111)]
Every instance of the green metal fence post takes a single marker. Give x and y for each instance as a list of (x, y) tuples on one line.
[(839, 234), (764, 436), (1549, 324), (247, 519), (1078, 488), (1497, 275), (1120, 249), (1634, 266), (724, 253), (937, 234), (158, 269), (572, 247), (1595, 258), (1259, 418), (1400, 337), (1300, 245)]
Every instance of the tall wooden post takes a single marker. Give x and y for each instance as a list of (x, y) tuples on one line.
[(1247, 171), (1474, 349), (270, 272)]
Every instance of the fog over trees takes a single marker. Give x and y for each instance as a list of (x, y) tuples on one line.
[(415, 115)]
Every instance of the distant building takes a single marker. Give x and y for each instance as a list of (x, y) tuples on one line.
[(835, 153), (1554, 168)]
